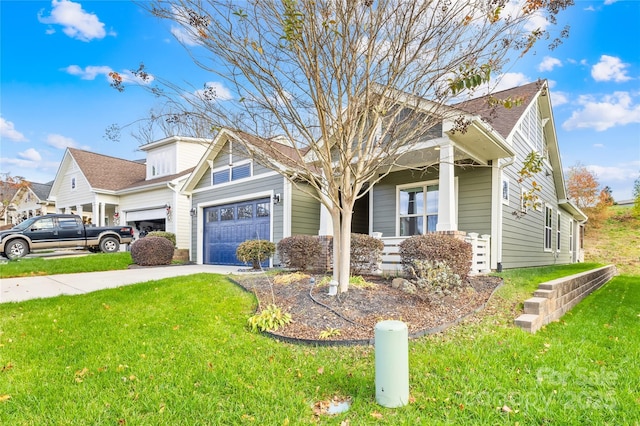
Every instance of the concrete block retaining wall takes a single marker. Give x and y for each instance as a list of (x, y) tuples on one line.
[(554, 298)]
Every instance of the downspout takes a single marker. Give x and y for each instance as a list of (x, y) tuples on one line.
[(496, 249)]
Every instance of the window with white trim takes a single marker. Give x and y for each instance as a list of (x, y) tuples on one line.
[(232, 172), (548, 227), (505, 190), (571, 238), (418, 208), (559, 226)]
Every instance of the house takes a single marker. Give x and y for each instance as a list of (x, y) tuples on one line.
[(234, 199), (145, 194), (28, 201), (460, 183)]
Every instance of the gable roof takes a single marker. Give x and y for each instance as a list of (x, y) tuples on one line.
[(108, 173), (41, 190), (503, 120)]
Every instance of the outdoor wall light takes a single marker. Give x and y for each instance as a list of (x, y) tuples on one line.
[(276, 199), (193, 211)]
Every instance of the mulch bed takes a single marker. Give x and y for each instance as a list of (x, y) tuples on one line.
[(356, 312)]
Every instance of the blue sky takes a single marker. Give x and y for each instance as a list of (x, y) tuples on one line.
[(55, 57)]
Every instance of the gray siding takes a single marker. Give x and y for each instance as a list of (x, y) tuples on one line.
[(523, 237), (474, 199), (305, 211)]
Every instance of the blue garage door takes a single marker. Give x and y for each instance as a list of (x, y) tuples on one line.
[(226, 226)]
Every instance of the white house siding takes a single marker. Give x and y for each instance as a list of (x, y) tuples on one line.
[(66, 197), (189, 154), (523, 237)]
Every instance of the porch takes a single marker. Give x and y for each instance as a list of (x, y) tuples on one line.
[(480, 246)]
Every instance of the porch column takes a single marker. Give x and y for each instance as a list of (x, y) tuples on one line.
[(446, 194), (102, 214), (326, 223)]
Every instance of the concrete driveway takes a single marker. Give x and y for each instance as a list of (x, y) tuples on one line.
[(19, 289)]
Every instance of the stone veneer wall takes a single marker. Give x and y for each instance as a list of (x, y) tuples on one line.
[(554, 298)]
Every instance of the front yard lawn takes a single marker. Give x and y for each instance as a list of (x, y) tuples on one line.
[(177, 351), (94, 262)]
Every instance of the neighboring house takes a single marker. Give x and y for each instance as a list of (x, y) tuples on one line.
[(472, 189), (106, 190), (235, 199), (29, 201)]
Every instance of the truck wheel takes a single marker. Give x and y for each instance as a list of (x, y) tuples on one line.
[(16, 249), (109, 245)]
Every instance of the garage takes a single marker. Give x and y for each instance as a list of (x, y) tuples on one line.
[(228, 225)]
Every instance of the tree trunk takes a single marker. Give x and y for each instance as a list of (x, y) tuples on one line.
[(344, 271)]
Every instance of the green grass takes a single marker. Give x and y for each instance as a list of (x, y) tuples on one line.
[(177, 351), (67, 265)]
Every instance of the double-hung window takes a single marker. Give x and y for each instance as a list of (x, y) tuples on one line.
[(548, 226), (558, 232), (418, 208)]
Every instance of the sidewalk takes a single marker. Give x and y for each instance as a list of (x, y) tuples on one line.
[(26, 288)]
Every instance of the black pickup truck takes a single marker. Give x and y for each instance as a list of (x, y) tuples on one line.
[(61, 231)]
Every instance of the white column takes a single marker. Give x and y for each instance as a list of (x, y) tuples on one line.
[(447, 194), (102, 214), (496, 214), (326, 223)]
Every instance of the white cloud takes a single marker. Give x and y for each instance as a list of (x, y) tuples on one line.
[(598, 145), (608, 2), (549, 63), (30, 155), (610, 68), (8, 131), (590, 9), (61, 142), (617, 109), (183, 36), (89, 73), (76, 22), (509, 80), (559, 98)]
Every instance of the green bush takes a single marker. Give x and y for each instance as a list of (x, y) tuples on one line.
[(299, 252), (457, 254), (270, 319), (152, 251), (255, 251), (168, 235), (366, 253)]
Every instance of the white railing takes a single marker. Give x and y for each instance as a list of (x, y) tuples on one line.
[(480, 245)]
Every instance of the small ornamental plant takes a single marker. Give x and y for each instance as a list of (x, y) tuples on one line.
[(269, 319), (255, 251)]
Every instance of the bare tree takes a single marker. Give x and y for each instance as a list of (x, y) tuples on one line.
[(353, 84)]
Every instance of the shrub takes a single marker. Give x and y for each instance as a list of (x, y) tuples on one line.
[(152, 251), (366, 253), (435, 276), (456, 253), (299, 252), (255, 251), (168, 235), (270, 319)]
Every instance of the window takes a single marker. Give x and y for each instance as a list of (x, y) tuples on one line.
[(68, 222), (227, 213), (505, 190), (245, 211), (262, 210), (531, 128), (212, 215), (558, 232), (43, 224), (418, 209), (548, 224), (523, 200), (571, 240), (231, 173)]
